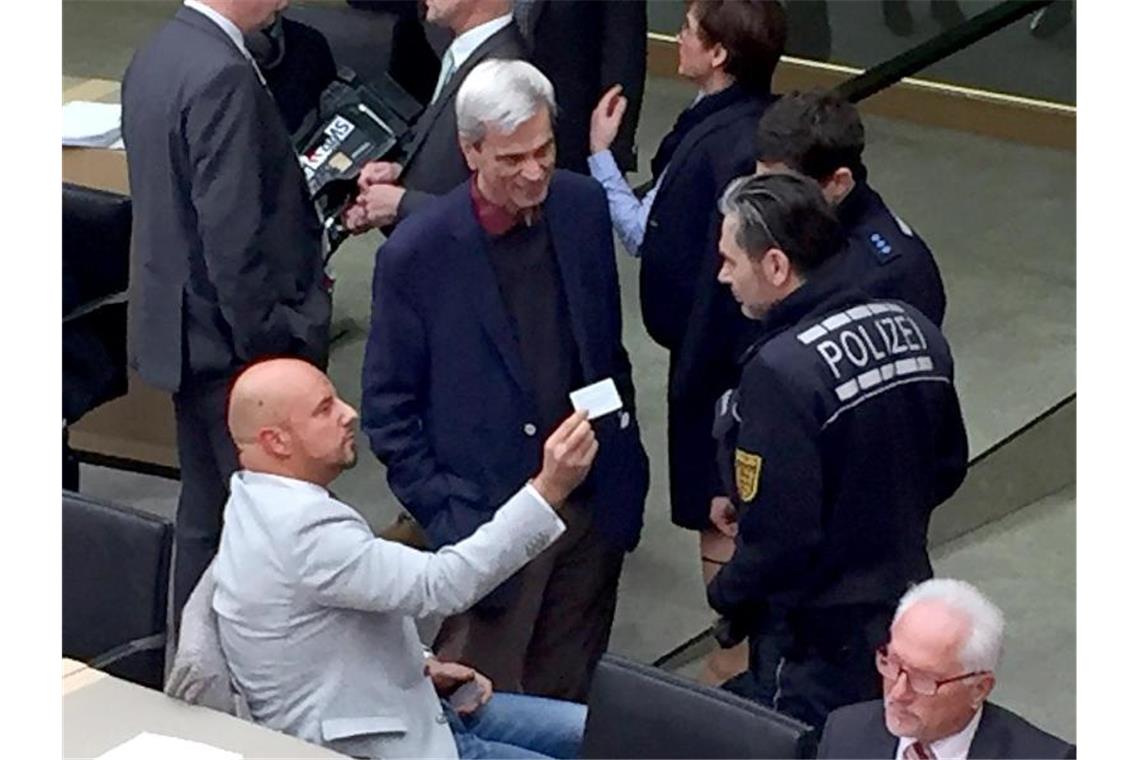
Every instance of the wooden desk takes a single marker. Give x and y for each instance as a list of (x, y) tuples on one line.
[(140, 425), (101, 712)]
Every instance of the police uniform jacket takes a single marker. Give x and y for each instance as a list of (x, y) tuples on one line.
[(849, 435), (884, 257)]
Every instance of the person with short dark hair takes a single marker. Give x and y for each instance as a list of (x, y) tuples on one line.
[(844, 435), (729, 49), (819, 134)]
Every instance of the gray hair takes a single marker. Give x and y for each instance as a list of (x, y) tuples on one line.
[(501, 95), (742, 199), (982, 648)]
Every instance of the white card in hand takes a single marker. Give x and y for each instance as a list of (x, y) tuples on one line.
[(598, 399)]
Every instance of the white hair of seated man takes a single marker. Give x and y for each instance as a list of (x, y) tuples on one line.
[(501, 95), (982, 649)]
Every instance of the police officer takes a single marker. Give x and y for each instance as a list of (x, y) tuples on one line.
[(820, 135), (844, 435)]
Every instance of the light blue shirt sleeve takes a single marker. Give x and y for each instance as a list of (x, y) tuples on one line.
[(629, 215)]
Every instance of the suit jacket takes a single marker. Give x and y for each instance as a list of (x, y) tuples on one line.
[(227, 262), (199, 674), (860, 731), (446, 404), (585, 47), (315, 613), (433, 162), (683, 306)]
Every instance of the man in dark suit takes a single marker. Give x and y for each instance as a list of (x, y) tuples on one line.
[(433, 162), (489, 307), (585, 47), (938, 671), (227, 263)]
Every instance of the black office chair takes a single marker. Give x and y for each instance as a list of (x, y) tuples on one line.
[(638, 711), (96, 268), (96, 245), (116, 570)]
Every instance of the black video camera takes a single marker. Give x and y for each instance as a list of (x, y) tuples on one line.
[(356, 122)]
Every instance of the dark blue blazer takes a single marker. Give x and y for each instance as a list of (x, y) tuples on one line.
[(446, 403), (685, 309)]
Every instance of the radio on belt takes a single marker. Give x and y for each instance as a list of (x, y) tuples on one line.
[(355, 123)]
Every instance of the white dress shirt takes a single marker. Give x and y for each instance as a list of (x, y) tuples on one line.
[(952, 747), (463, 46)]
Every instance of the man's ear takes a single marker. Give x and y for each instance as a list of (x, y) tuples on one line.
[(838, 185), (777, 268), (275, 441), (719, 56), (471, 151), (981, 689)]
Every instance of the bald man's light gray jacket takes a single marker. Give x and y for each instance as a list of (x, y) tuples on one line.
[(315, 614)]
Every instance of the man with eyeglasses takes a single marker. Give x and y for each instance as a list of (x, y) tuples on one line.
[(844, 435), (938, 670)]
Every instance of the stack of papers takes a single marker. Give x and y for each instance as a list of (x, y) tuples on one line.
[(91, 125), (148, 746)]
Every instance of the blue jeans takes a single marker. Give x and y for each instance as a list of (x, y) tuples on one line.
[(519, 726)]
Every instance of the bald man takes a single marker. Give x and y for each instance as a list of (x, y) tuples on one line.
[(315, 613)]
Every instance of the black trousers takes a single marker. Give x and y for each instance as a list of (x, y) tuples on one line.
[(207, 458), (807, 664)]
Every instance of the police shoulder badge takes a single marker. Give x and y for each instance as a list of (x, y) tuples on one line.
[(747, 474)]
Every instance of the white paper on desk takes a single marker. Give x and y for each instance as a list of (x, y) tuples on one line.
[(148, 746), (91, 125), (598, 399)]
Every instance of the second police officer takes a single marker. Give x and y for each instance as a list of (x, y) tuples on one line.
[(820, 135), (844, 435)]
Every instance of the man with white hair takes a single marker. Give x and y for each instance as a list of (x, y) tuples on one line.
[(938, 670), (489, 308)]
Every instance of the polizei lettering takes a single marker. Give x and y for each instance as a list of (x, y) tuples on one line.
[(868, 345)]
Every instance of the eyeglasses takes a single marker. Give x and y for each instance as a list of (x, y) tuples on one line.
[(891, 669)]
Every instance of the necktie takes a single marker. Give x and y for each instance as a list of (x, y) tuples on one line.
[(918, 751), (446, 69)]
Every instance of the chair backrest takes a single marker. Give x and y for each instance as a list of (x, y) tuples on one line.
[(116, 570), (638, 711), (96, 265), (96, 244)]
